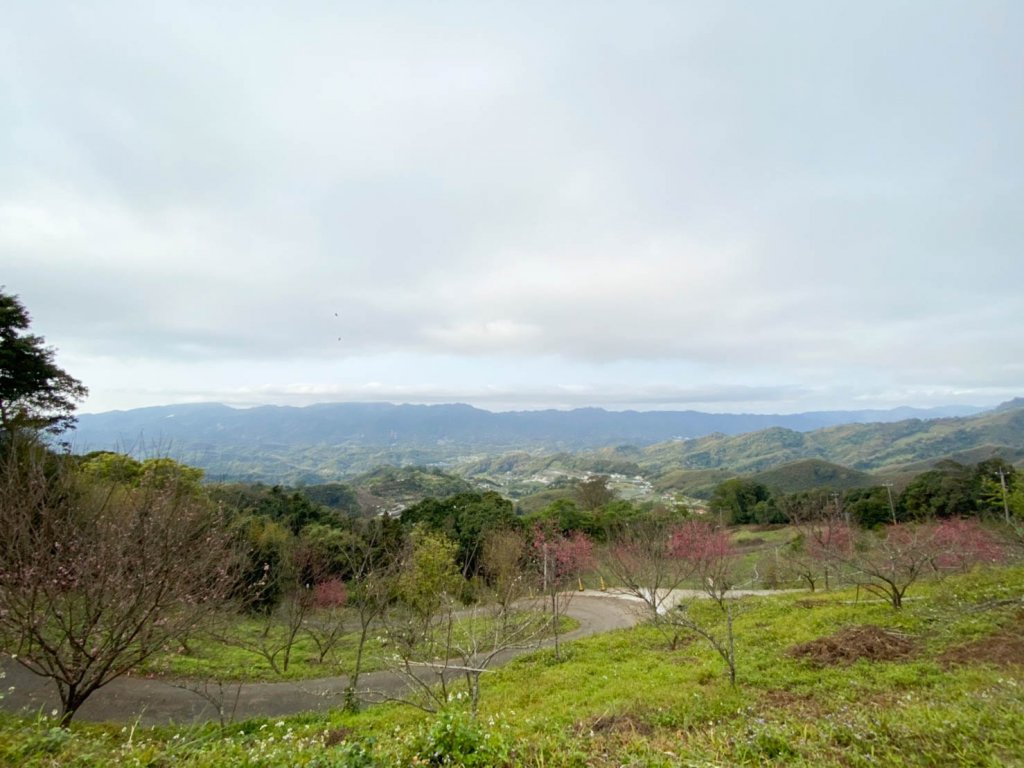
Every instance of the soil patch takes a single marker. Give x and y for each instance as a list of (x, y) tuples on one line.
[(1004, 648), (851, 644)]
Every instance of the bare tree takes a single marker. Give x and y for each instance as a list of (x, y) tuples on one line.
[(644, 561), (890, 562), (326, 624), (824, 541), (96, 579), (504, 563)]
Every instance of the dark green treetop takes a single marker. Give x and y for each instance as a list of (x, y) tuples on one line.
[(35, 393)]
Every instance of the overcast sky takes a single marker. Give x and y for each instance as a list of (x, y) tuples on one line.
[(766, 207)]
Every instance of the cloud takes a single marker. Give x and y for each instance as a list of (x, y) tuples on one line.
[(809, 199)]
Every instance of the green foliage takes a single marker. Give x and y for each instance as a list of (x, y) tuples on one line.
[(465, 518), (621, 699), (337, 496), (739, 501), (869, 507), (411, 483), (810, 474), (35, 393), (430, 574), (454, 738)]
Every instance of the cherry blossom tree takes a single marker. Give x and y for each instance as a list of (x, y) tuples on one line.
[(711, 556), (560, 560), (891, 561)]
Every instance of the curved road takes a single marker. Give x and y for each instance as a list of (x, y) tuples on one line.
[(153, 702)]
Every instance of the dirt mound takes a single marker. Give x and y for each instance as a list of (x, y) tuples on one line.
[(1004, 648), (853, 643)]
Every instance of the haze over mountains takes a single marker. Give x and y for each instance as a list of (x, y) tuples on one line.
[(382, 424), (329, 442)]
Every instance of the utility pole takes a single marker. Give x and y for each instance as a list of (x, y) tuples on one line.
[(1006, 503), (892, 507), (839, 508)]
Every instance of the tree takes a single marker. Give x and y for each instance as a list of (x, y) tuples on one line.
[(560, 559), (711, 556), (465, 518), (35, 393), (824, 540), (946, 491), (437, 642), (643, 558), (891, 561), (96, 578), (738, 501), (593, 492)]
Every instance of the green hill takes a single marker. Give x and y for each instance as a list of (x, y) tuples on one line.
[(864, 447), (808, 474)]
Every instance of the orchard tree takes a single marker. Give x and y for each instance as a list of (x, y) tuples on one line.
[(712, 558), (97, 578), (891, 561), (35, 393), (560, 560), (645, 560)]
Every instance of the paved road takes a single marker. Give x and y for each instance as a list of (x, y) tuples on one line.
[(153, 702)]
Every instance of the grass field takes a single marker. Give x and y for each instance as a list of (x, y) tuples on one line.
[(947, 690), (230, 656)]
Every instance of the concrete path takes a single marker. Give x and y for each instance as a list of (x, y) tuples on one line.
[(152, 702)]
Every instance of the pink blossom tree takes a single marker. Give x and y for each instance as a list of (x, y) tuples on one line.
[(891, 561), (560, 559), (710, 553)]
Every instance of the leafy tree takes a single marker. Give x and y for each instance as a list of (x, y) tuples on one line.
[(995, 480), (337, 496), (465, 518), (946, 491), (593, 492), (112, 467), (35, 393), (868, 507), (565, 515), (738, 501)]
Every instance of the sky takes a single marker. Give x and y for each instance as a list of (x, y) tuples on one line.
[(762, 207)]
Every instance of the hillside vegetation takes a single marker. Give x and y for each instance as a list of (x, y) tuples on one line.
[(828, 681), (327, 443)]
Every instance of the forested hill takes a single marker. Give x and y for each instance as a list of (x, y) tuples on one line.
[(204, 426), (901, 444)]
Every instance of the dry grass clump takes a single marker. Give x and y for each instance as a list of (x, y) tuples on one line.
[(851, 644)]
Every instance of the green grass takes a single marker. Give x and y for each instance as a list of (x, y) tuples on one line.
[(233, 659), (623, 699)]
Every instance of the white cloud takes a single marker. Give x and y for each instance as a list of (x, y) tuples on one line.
[(661, 199)]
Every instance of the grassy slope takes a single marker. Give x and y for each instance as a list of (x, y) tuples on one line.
[(624, 699)]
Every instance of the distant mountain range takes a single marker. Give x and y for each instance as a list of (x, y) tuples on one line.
[(208, 425), (335, 441)]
